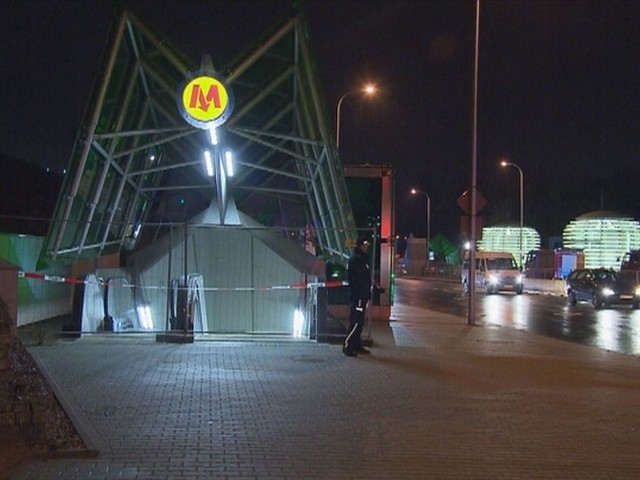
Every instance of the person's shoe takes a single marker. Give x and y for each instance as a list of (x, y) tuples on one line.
[(349, 353), (364, 351)]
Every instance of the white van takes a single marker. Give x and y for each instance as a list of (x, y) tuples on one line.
[(495, 271)]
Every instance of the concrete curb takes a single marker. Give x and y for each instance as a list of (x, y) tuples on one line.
[(81, 423)]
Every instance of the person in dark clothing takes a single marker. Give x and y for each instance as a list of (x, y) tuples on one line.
[(359, 278)]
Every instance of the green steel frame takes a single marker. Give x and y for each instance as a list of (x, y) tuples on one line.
[(137, 165)]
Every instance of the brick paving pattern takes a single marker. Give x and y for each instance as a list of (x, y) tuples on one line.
[(436, 399)]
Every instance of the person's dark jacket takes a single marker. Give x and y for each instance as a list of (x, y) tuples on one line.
[(359, 276)]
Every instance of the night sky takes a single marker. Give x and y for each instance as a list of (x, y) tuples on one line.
[(559, 92)]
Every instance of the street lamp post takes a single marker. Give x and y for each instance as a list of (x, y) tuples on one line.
[(471, 311), (368, 89), (420, 192), (504, 163)]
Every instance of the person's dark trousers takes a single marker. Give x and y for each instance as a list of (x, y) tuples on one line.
[(353, 340)]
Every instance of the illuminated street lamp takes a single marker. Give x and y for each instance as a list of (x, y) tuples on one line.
[(504, 163), (368, 90), (420, 192)]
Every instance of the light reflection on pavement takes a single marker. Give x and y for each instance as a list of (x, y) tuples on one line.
[(615, 329)]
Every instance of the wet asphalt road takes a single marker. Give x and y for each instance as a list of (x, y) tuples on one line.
[(614, 329)]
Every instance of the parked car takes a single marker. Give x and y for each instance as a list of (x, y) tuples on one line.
[(602, 287), (495, 271)]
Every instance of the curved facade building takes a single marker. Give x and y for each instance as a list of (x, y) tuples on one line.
[(604, 236), (506, 238)]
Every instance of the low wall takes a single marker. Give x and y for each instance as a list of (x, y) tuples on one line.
[(42, 310), (552, 287), (532, 285)]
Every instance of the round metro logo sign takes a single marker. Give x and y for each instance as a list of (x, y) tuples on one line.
[(204, 100)]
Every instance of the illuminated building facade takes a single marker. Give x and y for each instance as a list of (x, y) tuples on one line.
[(604, 236), (506, 238)]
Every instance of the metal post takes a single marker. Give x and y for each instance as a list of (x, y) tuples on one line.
[(368, 90), (167, 326), (521, 216), (505, 163), (428, 233), (338, 111), (372, 255), (186, 291), (428, 205), (471, 316)]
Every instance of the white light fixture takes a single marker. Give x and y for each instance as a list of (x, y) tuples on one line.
[(228, 158), (208, 162), (298, 322), (144, 315), (213, 135)]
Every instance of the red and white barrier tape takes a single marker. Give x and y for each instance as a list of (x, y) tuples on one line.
[(50, 278), (293, 286)]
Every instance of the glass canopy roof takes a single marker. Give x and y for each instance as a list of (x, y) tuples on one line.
[(137, 166)]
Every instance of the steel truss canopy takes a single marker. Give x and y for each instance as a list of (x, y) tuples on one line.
[(137, 166)]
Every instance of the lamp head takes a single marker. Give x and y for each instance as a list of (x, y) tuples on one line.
[(369, 89)]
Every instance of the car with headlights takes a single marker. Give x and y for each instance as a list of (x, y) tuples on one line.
[(495, 272), (602, 287)]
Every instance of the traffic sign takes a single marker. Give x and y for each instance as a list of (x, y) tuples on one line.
[(464, 201)]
